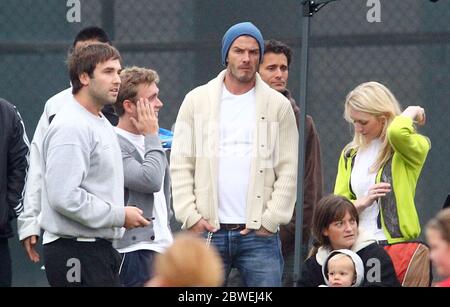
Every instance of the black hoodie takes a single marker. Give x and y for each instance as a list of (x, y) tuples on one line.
[(368, 250)]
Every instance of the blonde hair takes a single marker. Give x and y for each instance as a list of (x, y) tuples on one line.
[(131, 78), (188, 262), (375, 99)]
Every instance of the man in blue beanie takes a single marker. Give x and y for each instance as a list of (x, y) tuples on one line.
[(234, 162), (243, 28)]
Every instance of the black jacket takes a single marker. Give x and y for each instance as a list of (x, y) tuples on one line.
[(313, 182), (110, 114), (14, 148)]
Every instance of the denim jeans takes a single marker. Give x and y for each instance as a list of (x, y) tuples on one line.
[(136, 268), (258, 259)]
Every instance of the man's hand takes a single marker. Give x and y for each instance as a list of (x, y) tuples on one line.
[(147, 121), (134, 218), (261, 232), (29, 244), (201, 226)]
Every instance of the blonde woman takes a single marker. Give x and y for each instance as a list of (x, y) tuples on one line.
[(379, 169)]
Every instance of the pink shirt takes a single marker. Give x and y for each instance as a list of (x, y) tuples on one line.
[(444, 283)]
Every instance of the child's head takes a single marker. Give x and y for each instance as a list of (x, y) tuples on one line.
[(438, 238), (188, 262), (341, 271), (343, 268)]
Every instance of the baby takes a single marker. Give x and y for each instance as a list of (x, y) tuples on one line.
[(343, 268)]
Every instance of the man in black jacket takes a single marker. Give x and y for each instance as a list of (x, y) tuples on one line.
[(13, 169)]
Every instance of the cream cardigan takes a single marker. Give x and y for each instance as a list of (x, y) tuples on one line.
[(194, 158)]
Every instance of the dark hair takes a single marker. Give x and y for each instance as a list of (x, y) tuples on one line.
[(278, 47), (85, 59), (92, 33), (330, 209), (441, 223)]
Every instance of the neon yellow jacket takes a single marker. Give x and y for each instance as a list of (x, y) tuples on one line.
[(399, 218)]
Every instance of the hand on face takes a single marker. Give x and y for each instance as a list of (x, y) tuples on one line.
[(147, 121)]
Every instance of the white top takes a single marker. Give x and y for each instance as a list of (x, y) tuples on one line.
[(27, 222), (237, 125), (163, 235), (361, 180)]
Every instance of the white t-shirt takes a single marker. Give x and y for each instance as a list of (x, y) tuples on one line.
[(237, 125), (27, 224), (361, 180), (163, 235)]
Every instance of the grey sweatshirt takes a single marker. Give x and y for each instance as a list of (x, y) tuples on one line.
[(143, 178), (82, 194)]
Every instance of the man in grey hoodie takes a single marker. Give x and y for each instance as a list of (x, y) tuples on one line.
[(146, 173), (82, 199)]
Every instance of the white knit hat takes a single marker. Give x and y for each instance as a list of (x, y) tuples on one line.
[(359, 266)]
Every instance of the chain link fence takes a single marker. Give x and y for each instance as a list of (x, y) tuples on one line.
[(408, 50)]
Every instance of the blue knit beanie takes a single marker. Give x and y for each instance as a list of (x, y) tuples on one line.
[(243, 28)]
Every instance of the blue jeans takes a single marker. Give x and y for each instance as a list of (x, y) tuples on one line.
[(258, 259), (136, 268)]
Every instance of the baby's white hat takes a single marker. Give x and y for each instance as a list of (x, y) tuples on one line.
[(359, 266)]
